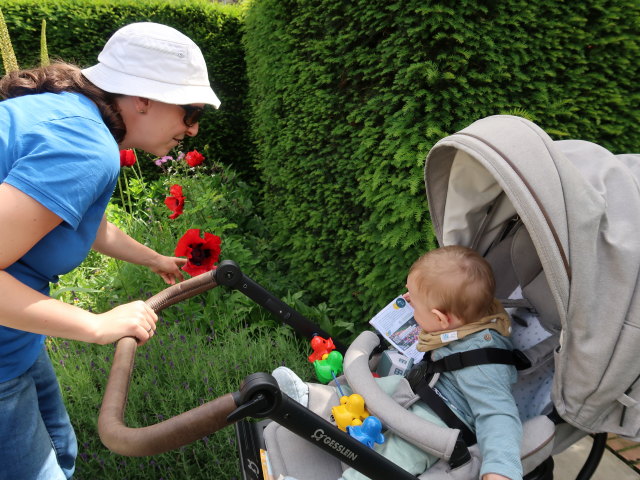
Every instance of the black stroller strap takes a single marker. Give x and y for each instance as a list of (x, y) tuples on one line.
[(442, 410), (555, 417), (480, 356), (421, 374)]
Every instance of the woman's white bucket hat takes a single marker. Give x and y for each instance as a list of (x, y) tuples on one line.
[(153, 61)]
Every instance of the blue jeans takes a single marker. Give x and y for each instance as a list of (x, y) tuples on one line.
[(37, 441)]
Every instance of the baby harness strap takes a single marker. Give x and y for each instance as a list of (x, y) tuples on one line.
[(432, 398), (480, 356), (420, 378)]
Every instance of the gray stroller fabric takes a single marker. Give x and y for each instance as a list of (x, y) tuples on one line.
[(581, 207)]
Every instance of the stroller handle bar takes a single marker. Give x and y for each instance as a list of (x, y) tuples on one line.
[(174, 432), (207, 418)]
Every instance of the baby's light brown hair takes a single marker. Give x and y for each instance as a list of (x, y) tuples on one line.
[(456, 280)]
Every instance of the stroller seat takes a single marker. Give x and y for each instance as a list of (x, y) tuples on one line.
[(290, 456), (520, 272)]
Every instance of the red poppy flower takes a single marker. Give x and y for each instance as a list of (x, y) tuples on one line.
[(175, 202), (127, 158), (201, 253), (194, 158)]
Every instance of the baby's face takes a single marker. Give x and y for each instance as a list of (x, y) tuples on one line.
[(422, 310)]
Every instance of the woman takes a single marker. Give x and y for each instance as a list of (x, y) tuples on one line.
[(61, 129)]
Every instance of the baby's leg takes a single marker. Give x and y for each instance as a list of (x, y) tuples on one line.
[(292, 385)]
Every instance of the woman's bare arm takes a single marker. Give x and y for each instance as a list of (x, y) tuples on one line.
[(113, 242), (23, 222)]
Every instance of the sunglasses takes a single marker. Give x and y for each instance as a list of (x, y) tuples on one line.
[(192, 114)]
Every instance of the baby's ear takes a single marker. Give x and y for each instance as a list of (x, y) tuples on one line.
[(443, 319)]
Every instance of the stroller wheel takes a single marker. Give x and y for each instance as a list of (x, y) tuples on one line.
[(544, 471)]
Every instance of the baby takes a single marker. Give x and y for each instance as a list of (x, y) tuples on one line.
[(451, 290)]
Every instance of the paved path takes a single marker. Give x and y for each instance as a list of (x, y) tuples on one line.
[(569, 463)]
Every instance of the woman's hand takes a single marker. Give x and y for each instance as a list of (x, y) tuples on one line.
[(135, 319), (168, 268), (112, 241)]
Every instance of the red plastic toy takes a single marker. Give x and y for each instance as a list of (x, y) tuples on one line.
[(321, 347)]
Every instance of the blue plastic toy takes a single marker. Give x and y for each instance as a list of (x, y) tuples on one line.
[(369, 432)]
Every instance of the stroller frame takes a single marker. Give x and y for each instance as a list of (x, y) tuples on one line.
[(259, 397)]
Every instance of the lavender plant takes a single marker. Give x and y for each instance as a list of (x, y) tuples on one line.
[(181, 368)]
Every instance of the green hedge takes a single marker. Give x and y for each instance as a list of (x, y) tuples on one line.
[(348, 97), (77, 31)]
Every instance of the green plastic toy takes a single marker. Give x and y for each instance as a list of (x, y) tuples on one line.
[(329, 367)]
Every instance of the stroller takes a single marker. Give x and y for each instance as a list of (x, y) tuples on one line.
[(554, 219)]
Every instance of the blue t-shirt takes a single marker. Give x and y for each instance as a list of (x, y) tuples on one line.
[(56, 149)]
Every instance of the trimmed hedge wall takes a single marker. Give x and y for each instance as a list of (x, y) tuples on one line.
[(348, 97), (77, 31)]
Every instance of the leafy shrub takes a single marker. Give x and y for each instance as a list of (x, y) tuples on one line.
[(217, 201)]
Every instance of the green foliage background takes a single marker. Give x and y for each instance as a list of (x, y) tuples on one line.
[(348, 97), (338, 103), (77, 31)]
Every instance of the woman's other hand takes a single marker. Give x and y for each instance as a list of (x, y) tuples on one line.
[(168, 268)]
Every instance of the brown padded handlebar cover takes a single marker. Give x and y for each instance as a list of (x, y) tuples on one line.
[(174, 432)]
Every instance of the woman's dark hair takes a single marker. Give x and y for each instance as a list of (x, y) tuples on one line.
[(64, 77)]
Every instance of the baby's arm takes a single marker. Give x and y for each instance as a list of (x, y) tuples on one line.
[(487, 389)]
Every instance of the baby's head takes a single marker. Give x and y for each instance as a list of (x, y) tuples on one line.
[(449, 287)]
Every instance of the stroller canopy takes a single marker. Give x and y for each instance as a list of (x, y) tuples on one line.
[(581, 207)]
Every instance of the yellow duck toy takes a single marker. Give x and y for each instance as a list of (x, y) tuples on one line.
[(350, 413)]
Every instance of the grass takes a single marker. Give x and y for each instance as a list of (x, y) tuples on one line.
[(204, 346), (181, 368)]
